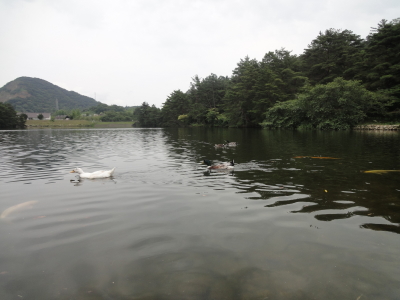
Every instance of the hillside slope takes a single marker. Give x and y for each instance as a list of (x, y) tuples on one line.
[(28, 94)]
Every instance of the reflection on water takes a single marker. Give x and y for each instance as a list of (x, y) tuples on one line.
[(289, 222), (77, 181)]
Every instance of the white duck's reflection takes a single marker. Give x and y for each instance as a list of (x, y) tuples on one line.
[(218, 172), (80, 181)]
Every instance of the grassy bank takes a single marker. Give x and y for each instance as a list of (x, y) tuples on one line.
[(32, 124), (113, 125)]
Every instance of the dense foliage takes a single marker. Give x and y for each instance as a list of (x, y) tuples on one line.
[(379, 68), (257, 86), (339, 81), (340, 104), (332, 54), (101, 112), (147, 116), (112, 113), (9, 118), (28, 94)]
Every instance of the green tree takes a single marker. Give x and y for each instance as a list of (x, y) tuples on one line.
[(155, 116), (115, 116), (148, 116), (22, 120), (40, 116), (286, 114), (238, 100), (340, 104), (176, 104), (205, 94), (212, 116), (280, 79), (61, 112), (287, 68), (75, 114), (100, 108), (380, 68), (9, 118), (257, 86), (332, 54)]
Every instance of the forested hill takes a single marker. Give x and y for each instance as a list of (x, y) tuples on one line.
[(28, 94)]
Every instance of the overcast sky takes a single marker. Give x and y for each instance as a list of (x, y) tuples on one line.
[(126, 52)]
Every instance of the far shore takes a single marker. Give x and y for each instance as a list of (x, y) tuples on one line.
[(34, 124), (57, 124)]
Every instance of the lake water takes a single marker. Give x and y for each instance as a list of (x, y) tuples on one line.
[(290, 222)]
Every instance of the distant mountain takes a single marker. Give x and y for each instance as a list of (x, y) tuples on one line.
[(28, 94)]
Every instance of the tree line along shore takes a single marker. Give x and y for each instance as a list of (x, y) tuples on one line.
[(340, 81)]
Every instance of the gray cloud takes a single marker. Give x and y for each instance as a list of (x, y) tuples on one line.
[(126, 52)]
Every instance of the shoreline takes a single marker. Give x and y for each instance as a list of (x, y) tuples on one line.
[(58, 124), (376, 127), (71, 124)]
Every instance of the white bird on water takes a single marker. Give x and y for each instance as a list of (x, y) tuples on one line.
[(93, 175)]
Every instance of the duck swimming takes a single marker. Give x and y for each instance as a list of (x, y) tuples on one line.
[(93, 175), (223, 166), (230, 144), (219, 145)]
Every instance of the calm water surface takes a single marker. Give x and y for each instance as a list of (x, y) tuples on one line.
[(284, 225)]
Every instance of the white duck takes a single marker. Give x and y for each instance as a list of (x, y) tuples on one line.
[(97, 174)]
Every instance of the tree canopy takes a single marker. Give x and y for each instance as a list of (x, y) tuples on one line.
[(338, 81), (380, 67), (9, 119), (332, 54)]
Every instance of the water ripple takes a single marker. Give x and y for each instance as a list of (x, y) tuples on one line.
[(164, 220)]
